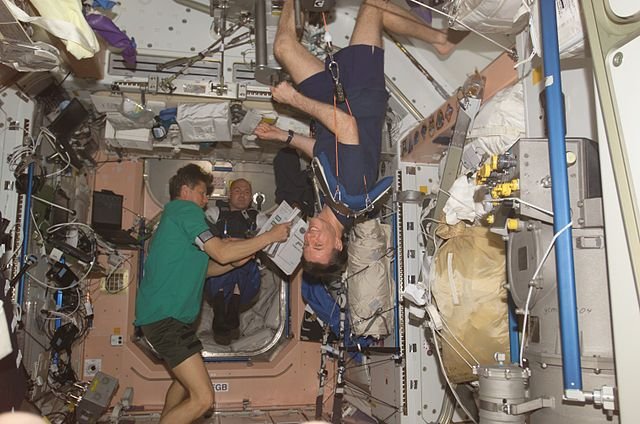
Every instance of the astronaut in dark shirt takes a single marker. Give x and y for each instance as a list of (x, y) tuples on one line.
[(349, 130), (229, 292)]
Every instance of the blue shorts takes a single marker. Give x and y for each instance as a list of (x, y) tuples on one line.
[(362, 77), (361, 68), (247, 277)]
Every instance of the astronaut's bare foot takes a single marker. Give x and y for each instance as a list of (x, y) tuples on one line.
[(449, 42)]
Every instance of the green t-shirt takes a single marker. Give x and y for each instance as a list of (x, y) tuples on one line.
[(176, 268)]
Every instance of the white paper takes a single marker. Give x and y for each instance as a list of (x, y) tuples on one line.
[(286, 255)]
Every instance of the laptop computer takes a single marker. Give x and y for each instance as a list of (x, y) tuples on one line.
[(64, 126), (106, 219)]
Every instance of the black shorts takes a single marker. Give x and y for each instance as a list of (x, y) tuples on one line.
[(174, 340), (361, 68)]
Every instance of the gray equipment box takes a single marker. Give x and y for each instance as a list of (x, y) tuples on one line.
[(96, 398)]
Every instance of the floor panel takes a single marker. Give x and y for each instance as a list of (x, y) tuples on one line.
[(285, 416)]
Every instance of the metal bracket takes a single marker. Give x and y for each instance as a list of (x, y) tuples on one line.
[(604, 396), (532, 405), (454, 155)]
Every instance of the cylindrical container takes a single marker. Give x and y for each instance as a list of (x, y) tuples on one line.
[(501, 386)]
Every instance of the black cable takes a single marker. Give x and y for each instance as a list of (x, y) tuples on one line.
[(64, 79), (366, 396), (53, 415), (34, 338), (385, 254), (78, 318), (384, 420), (65, 374), (102, 162), (331, 379), (132, 211), (370, 363)]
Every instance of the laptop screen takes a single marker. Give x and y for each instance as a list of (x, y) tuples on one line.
[(106, 212), (63, 127)]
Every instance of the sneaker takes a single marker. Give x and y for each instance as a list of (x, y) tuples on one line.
[(234, 333), (219, 311), (222, 338), (233, 311)]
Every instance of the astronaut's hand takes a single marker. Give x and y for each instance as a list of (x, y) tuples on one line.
[(279, 232), (284, 93), (270, 132)]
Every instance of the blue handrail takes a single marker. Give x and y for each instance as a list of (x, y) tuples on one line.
[(514, 345), (26, 231), (555, 119)]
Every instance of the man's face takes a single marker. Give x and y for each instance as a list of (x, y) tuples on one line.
[(240, 195), (197, 194), (319, 241)]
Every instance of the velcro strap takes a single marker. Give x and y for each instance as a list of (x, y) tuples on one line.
[(202, 238), (345, 204)]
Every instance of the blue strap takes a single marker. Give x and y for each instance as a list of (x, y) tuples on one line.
[(317, 296), (336, 195)]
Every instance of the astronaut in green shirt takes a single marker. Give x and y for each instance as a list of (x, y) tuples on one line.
[(182, 254)]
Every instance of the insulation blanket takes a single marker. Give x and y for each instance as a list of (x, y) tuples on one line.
[(491, 16), (468, 283), (500, 122), (370, 288), (204, 122), (64, 19)]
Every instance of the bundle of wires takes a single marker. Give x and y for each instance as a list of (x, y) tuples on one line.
[(70, 322), (22, 156)]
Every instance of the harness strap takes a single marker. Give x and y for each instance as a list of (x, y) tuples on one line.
[(250, 219), (340, 203), (334, 69)]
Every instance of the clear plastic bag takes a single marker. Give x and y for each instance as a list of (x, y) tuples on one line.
[(136, 112)]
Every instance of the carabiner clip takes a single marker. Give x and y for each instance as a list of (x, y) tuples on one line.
[(335, 70), (337, 196)]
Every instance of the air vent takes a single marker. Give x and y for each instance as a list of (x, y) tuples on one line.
[(243, 73), (146, 66), (116, 282)]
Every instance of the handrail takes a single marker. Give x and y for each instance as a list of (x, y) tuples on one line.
[(555, 119)]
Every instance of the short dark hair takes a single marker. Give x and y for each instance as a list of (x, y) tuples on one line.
[(189, 175), (330, 272), (237, 180)]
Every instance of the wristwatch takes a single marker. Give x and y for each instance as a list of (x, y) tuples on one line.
[(290, 137)]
